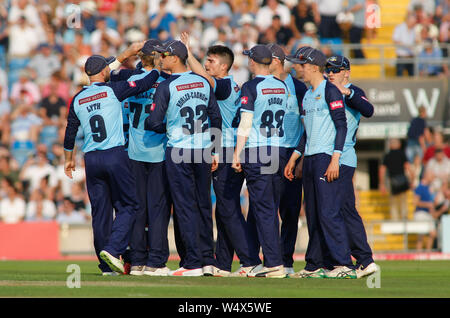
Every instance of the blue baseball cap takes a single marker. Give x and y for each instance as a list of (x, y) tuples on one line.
[(277, 51), (300, 52), (96, 63), (260, 54), (150, 46), (338, 61), (173, 47), (312, 56)]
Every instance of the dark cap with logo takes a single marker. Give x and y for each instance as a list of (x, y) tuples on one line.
[(150, 46), (277, 51), (260, 54), (174, 47), (96, 63), (339, 61), (300, 52), (312, 56)]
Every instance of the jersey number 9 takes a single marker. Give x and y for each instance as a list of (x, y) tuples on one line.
[(98, 128)]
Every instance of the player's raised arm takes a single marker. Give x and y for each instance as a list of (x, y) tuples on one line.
[(155, 122), (193, 63), (125, 89)]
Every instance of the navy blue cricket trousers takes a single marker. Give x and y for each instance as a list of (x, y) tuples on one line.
[(232, 232), (357, 236), (190, 187), (290, 206), (111, 185), (328, 243), (155, 203), (263, 187)]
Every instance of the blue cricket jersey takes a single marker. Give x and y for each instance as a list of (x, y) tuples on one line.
[(126, 123), (144, 145), (187, 102), (97, 108), (266, 97), (324, 118), (356, 104), (293, 126), (227, 93)]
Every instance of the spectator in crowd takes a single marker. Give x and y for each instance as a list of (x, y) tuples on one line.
[(25, 88), (12, 207), (439, 167), (428, 6), (131, 18), (429, 60), (397, 168), (358, 9), (104, 34), (415, 145), (50, 107), (214, 8), (68, 215), (302, 13), (7, 170), (241, 9), (36, 168), (425, 212), (4, 36), (405, 38), (163, 20), (44, 63), (438, 142), (39, 208), (326, 12), (5, 106), (283, 34), (309, 38), (265, 14)]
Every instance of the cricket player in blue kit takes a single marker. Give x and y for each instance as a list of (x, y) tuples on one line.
[(232, 233), (111, 185), (291, 191), (146, 152), (260, 131), (356, 105), (322, 145), (185, 107)]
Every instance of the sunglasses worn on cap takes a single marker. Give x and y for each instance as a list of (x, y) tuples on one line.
[(334, 69), (166, 54)]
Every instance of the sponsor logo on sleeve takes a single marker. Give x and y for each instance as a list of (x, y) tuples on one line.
[(132, 84), (244, 100), (153, 107), (336, 104)]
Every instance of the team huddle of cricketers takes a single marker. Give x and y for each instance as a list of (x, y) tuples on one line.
[(156, 137)]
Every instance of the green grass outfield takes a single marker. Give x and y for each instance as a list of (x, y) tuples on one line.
[(48, 279)]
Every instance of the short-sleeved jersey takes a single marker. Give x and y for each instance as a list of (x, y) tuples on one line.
[(144, 145), (293, 126), (266, 97), (324, 119), (227, 93), (98, 110), (187, 102)]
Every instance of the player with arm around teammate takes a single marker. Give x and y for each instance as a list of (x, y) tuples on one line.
[(263, 105), (356, 105), (110, 183), (185, 107), (322, 145), (231, 227)]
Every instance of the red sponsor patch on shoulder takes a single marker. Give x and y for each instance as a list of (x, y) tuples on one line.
[(244, 100), (189, 86), (93, 97), (153, 107), (266, 91), (337, 104), (132, 84)]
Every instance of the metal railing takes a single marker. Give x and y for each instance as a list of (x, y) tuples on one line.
[(383, 60)]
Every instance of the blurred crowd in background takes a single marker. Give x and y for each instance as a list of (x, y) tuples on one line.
[(45, 43)]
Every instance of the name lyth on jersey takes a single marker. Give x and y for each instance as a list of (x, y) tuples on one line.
[(191, 95), (92, 107)]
